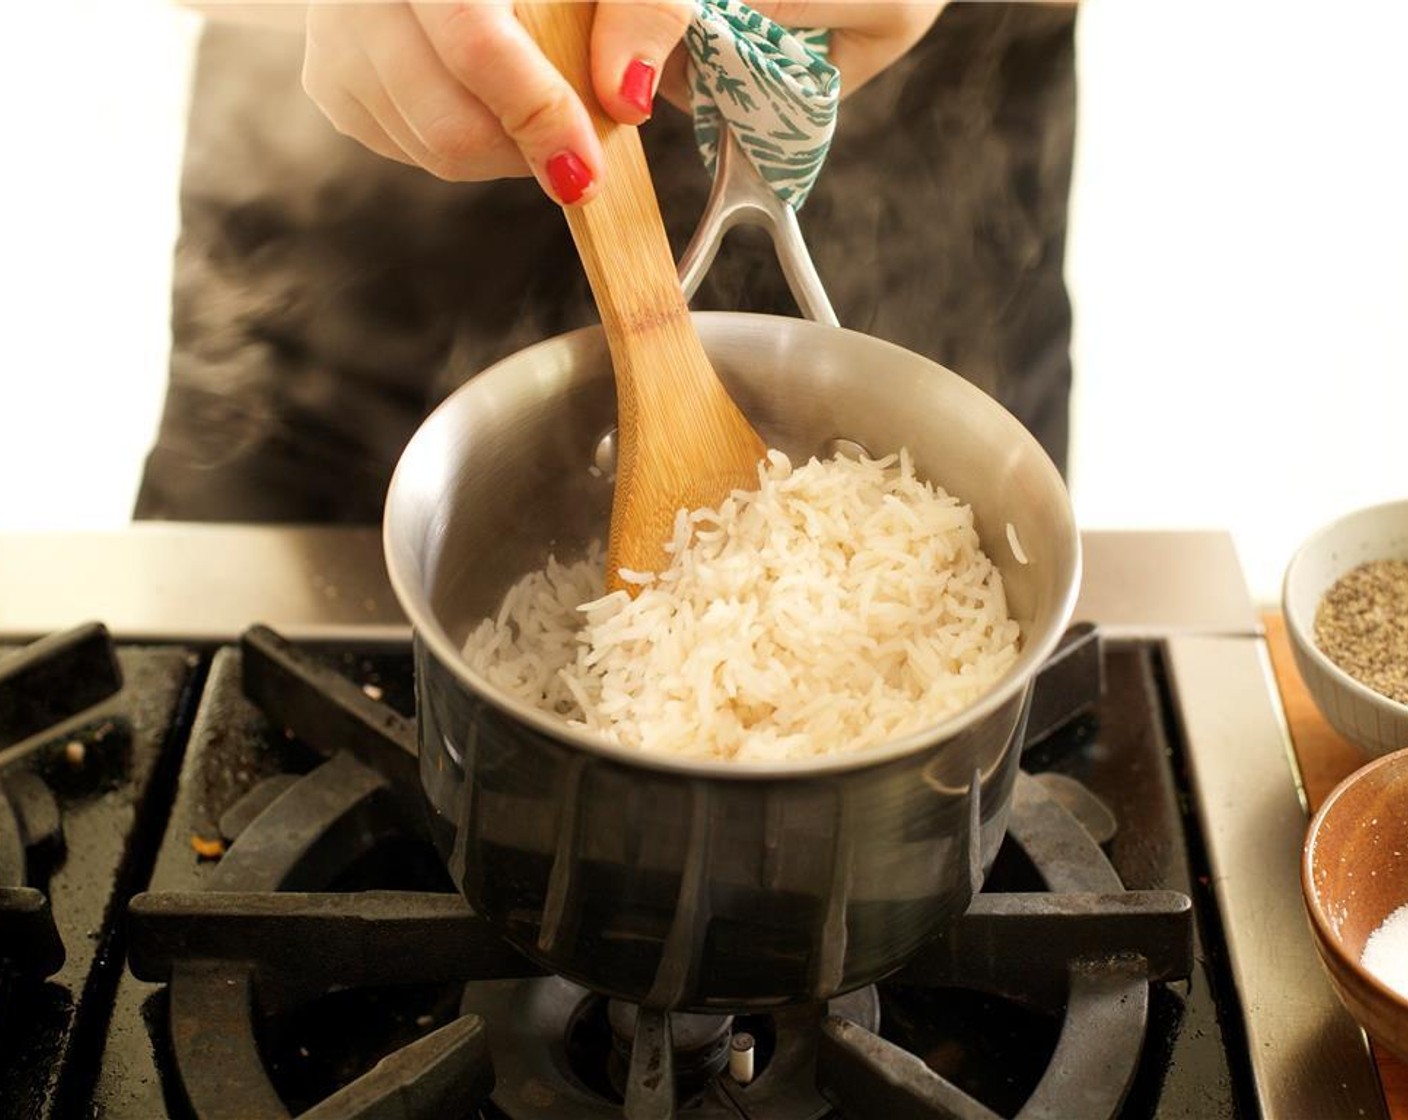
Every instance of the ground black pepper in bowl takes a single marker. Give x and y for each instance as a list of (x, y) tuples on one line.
[(1361, 624)]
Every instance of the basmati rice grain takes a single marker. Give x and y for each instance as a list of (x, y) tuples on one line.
[(842, 604)]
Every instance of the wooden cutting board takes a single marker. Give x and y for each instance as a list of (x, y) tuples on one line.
[(1325, 758)]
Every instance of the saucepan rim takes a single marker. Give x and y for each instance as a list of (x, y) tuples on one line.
[(413, 594)]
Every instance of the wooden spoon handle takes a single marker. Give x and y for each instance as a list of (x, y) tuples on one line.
[(682, 443), (619, 233)]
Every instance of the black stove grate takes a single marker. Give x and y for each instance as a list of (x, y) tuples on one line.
[(1088, 949), (30, 945), (269, 933), (86, 761)]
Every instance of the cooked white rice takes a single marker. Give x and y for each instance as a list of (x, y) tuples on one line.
[(842, 604)]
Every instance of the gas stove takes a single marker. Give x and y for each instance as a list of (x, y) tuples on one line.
[(218, 898)]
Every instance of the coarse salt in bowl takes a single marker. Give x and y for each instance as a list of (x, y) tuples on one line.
[(1376, 650), (1354, 876)]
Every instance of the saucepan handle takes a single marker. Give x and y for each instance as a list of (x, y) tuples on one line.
[(740, 197)]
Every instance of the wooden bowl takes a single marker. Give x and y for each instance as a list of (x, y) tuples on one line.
[(1354, 874)]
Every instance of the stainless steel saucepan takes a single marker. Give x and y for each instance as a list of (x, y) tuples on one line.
[(705, 885)]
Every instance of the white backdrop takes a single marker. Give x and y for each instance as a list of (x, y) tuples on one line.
[(1238, 260), (93, 95)]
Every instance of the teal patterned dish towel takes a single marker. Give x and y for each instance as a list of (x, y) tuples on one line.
[(772, 86)]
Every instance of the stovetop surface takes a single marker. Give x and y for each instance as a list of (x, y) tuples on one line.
[(90, 1038), (106, 752), (94, 1039)]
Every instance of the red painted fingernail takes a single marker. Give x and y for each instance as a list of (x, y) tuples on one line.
[(638, 85), (569, 176)]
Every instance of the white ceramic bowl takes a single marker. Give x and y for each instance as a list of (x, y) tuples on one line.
[(1364, 717)]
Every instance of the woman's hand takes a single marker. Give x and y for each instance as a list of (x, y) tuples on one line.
[(866, 37), (461, 90)]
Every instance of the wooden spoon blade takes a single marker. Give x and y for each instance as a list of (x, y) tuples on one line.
[(689, 454)]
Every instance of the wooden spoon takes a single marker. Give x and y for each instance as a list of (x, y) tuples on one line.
[(681, 440)]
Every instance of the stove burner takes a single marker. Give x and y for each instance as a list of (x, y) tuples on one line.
[(258, 947), (699, 1046), (539, 1021), (1093, 947)]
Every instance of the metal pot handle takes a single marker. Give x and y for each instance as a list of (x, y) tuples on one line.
[(740, 196)]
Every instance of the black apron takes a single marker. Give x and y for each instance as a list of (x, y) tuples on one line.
[(326, 299)]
